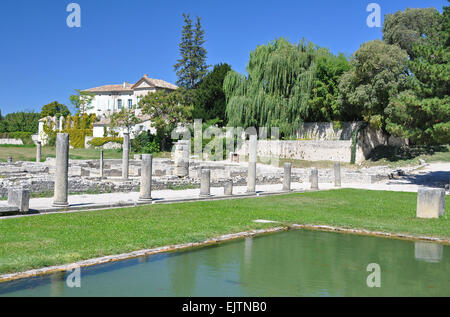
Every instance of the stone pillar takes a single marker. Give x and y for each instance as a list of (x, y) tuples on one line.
[(228, 188), (61, 120), (10, 159), (38, 151), (125, 155), (181, 158), (101, 165), (430, 202), (146, 178), (337, 174), (314, 179), (287, 177), (252, 158), (205, 190), (62, 170)]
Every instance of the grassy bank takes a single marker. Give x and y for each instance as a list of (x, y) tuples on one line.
[(28, 153), (33, 242)]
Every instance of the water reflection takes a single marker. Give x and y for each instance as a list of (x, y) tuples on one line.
[(295, 263), (428, 252)]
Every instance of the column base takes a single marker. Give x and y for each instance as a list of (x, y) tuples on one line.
[(204, 196), (60, 205), (145, 200)]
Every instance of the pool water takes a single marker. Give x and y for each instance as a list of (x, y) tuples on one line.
[(292, 263)]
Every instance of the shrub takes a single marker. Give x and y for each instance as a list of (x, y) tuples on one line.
[(97, 142)]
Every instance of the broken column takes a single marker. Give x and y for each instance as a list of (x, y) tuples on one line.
[(181, 158), (337, 174), (38, 151), (146, 178), (287, 177), (430, 202), (62, 170), (252, 157), (20, 198), (101, 164), (205, 189), (125, 155), (314, 179), (228, 188), (9, 159)]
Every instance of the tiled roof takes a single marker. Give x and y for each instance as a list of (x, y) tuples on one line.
[(157, 83)]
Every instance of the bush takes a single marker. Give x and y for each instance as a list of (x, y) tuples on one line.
[(97, 142), (146, 143)]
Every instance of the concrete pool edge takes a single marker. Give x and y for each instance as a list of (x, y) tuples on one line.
[(135, 254), (365, 232)]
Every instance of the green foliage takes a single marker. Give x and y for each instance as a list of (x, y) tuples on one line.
[(410, 27), (20, 121), (145, 143), (323, 104), (82, 101), (191, 67), (167, 110), (209, 97), (97, 142), (125, 118), (422, 113), (277, 89), (379, 72), (54, 109)]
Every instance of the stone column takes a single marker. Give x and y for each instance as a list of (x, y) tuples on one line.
[(228, 188), (101, 164), (430, 202), (205, 190), (287, 177), (181, 158), (38, 151), (314, 179), (62, 170), (252, 158), (125, 155), (10, 160), (337, 174), (146, 178), (61, 121)]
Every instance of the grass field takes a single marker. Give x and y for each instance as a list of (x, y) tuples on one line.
[(28, 153), (39, 241)]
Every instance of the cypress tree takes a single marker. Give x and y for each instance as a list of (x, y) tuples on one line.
[(191, 67)]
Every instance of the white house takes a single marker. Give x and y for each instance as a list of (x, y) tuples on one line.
[(112, 98)]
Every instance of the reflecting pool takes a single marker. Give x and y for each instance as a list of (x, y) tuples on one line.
[(292, 263)]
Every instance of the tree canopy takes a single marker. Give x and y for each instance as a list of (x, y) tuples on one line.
[(54, 109), (379, 72), (209, 97), (191, 66), (277, 89)]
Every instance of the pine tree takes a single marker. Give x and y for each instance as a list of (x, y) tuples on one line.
[(191, 67)]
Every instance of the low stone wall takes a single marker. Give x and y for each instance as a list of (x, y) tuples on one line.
[(327, 130), (327, 150), (11, 141)]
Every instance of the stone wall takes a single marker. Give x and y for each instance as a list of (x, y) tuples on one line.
[(326, 150), (327, 130), (11, 141)]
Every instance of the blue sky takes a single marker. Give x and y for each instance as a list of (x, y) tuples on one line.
[(42, 60)]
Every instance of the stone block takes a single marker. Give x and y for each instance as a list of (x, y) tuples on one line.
[(430, 202), (428, 252), (20, 198)]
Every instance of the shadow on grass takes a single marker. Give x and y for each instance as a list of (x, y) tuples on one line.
[(394, 154)]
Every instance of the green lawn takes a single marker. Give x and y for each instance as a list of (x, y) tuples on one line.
[(39, 241), (28, 153)]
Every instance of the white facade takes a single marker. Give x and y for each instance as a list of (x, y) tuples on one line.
[(112, 98)]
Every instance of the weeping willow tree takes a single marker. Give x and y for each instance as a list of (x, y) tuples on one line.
[(277, 89)]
